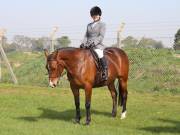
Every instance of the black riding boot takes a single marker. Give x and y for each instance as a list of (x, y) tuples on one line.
[(104, 69)]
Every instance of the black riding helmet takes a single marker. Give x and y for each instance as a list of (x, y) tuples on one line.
[(95, 11)]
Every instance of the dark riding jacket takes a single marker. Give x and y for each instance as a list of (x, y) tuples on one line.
[(95, 34)]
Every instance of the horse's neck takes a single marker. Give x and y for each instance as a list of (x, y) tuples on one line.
[(66, 53), (69, 58), (74, 59)]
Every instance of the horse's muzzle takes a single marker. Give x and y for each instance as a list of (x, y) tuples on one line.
[(52, 85)]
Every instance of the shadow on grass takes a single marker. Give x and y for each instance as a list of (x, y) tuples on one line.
[(175, 128), (66, 115)]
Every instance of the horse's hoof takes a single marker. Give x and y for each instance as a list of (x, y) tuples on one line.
[(76, 121), (114, 114), (123, 115), (87, 123)]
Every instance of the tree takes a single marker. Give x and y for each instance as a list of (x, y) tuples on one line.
[(63, 41), (177, 41), (9, 47), (6, 46), (150, 43), (144, 42), (40, 43), (129, 42), (158, 45), (22, 43)]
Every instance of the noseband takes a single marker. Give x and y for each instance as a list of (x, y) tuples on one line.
[(59, 63)]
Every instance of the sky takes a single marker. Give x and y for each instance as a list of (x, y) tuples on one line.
[(158, 19)]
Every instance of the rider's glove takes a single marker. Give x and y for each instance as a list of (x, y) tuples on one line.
[(92, 45), (82, 45)]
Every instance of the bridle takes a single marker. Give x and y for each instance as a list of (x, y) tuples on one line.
[(59, 64)]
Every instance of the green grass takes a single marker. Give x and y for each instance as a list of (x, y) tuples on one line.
[(31, 69), (26, 110), (154, 70)]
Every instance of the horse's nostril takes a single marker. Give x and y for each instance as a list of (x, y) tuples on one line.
[(54, 85)]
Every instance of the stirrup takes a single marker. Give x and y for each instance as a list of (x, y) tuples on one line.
[(104, 76)]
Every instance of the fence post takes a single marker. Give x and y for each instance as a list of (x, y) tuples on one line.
[(4, 57), (2, 31), (0, 60), (119, 35), (52, 35)]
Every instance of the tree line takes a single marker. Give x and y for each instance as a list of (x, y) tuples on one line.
[(24, 43), (177, 40), (142, 43)]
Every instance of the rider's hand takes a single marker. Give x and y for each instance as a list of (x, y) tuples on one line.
[(85, 46), (92, 45), (82, 45)]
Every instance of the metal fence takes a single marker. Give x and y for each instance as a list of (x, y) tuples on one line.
[(150, 69), (154, 69)]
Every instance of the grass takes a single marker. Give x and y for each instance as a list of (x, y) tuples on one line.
[(26, 110), (31, 69), (154, 70)]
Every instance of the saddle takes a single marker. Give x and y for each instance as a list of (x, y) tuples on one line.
[(98, 79), (97, 62), (90, 47), (96, 59)]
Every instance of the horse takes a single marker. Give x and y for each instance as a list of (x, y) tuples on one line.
[(82, 73)]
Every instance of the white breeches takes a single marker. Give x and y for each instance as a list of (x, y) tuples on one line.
[(99, 53)]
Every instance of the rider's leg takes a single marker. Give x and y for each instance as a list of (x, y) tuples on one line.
[(99, 53), (103, 63)]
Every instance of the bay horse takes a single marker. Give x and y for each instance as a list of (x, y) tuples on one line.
[(82, 73)]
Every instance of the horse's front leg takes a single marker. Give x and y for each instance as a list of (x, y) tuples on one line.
[(88, 93), (77, 103)]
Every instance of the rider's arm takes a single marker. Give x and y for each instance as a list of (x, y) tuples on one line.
[(100, 38), (85, 38)]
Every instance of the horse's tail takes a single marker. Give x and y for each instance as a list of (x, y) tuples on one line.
[(118, 92)]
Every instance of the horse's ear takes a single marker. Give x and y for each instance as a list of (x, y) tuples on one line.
[(46, 53), (55, 54)]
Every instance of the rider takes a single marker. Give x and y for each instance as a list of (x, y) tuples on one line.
[(94, 36)]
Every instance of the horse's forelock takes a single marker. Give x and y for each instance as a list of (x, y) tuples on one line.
[(52, 56)]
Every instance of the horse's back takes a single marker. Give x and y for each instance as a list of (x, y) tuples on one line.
[(118, 59), (116, 51), (114, 56)]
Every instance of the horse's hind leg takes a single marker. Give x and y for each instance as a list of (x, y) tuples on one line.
[(114, 98), (123, 95)]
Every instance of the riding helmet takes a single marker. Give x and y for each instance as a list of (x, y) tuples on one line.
[(95, 11)]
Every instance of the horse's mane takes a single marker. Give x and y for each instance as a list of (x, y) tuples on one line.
[(52, 56)]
